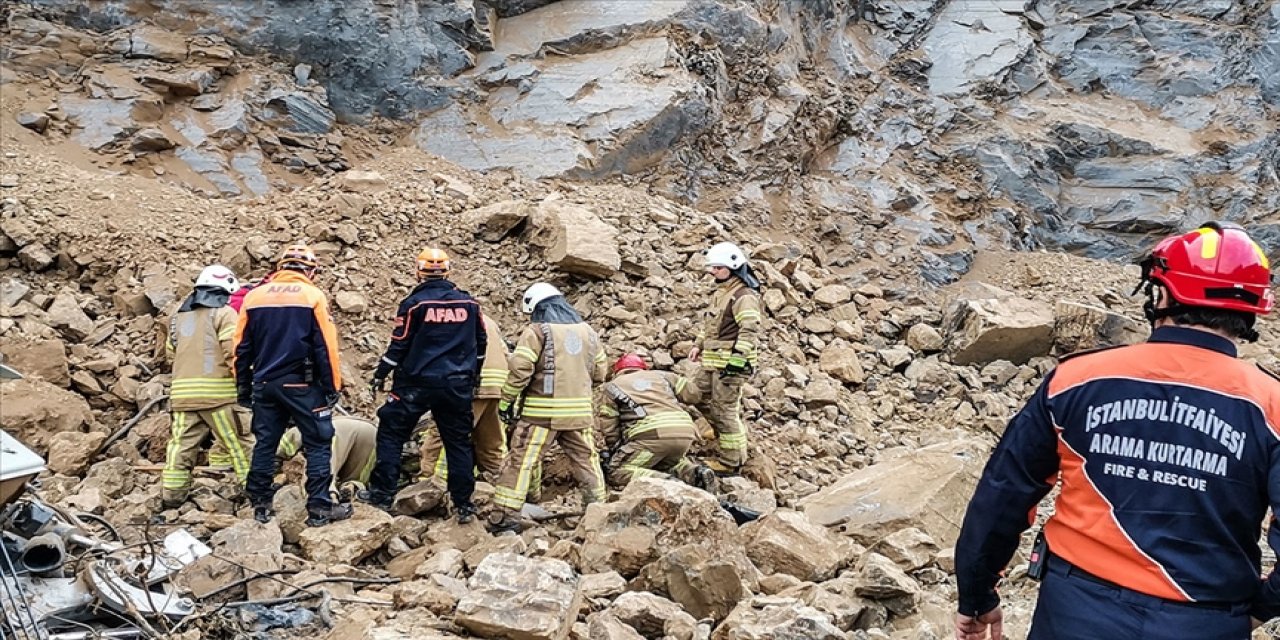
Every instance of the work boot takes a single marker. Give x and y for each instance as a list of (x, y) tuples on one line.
[(466, 514), (263, 514), (503, 522), (337, 512), (368, 497), (706, 479), (721, 469), (172, 502)]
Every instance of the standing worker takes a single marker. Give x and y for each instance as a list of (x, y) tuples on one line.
[(727, 347), (287, 369), (203, 393), (488, 435), (641, 418), (437, 349), (557, 360), (1169, 456)]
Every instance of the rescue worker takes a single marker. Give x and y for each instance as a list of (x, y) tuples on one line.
[(354, 446), (287, 370), (727, 348), (437, 349), (557, 360), (203, 393), (645, 427), (219, 457), (488, 435), (1168, 454)]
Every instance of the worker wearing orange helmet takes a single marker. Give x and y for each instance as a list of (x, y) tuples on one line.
[(646, 430), (1168, 456), (286, 363), (437, 351)]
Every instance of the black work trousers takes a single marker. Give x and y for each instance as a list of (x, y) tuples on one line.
[(449, 401), (275, 405)]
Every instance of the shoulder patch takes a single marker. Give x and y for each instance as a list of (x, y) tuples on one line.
[(1085, 352)]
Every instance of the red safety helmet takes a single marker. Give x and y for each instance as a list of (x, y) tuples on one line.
[(630, 361), (1217, 266)]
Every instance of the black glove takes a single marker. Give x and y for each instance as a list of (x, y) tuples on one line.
[(507, 414), (245, 399), (331, 400), (377, 384)]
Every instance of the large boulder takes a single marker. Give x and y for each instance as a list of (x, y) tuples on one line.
[(44, 359), (708, 580), (520, 598), (34, 410), (654, 616), (1078, 327), (242, 550), (986, 324), (652, 517), (788, 542), (927, 488), (348, 541), (493, 222), (775, 618), (576, 240), (70, 452), (65, 315)]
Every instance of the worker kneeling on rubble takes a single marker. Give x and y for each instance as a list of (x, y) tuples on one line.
[(548, 395), (202, 397), (647, 433), (1129, 553), (354, 447)]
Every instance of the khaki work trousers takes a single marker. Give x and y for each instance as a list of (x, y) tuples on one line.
[(488, 436), (652, 458), (722, 405), (528, 441), (187, 434)]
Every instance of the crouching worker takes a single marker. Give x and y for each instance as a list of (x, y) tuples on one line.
[(354, 447), (646, 430)]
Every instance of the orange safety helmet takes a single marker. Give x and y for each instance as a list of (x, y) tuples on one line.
[(1216, 266), (297, 256), (433, 263), (630, 361)]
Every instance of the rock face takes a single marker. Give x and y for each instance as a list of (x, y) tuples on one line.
[(928, 489), (999, 326), (520, 598)]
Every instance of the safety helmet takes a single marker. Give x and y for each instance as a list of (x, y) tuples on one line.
[(537, 293), (295, 256), (216, 275), (630, 361), (1217, 266), (726, 254), (433, 263)]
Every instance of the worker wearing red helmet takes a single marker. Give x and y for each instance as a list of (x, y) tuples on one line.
[(642, 420), (1168, 455)]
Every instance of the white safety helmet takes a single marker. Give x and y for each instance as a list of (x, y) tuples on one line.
[(726, 254), (537, 293), (216, 275)]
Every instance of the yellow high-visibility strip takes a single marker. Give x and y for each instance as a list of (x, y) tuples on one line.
[(226, 333), (600, 356), (526, 353), (223, 427), (367, 469), (746, 314), (577, 401), (608, 412), (733, 441), (681, 383), (171, 473)]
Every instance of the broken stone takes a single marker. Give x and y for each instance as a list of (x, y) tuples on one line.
[(576, 240), (495, 221), (603, 625), (70, 452), (12, 291), (151, 140), (775, 618), (446, 562), (363, 181), (35, 410), (298, 112), (651, 517), (85, 383), (832, 295), (290, 503), (707, 580), (788, 542), (822, 391), (44, 359), (654, 616), (998, 327), (351, 302), (925, 338), (521, 598), (927, 488), (424, 594), (1078, 327), (841, 360), (910, 548), (155, 42), (347, 541), (246, 543), (405, 566), (159, 290), (36, 122), (65, 315), (35, 257), (191, 82), (603, 585), (419, 498), (881, 579)]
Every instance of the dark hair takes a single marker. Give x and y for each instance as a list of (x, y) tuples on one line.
[(1237, 324), (555, 310)]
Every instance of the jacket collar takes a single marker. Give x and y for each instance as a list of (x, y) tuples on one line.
[(1195, 338), (286, 275), (438, 283)]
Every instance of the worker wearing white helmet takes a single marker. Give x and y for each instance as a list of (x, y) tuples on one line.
[(203, 394), (727, 347), (548, 396)]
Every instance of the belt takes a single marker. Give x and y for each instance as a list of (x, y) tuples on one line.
[(1073, 570)]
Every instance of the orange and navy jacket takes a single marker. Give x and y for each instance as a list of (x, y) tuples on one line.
[(1169, 456), (439, 334), (284, 332)]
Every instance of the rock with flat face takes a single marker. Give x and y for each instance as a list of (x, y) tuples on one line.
[(520, 598), (788, 542), (775, 618), (347, 541), (576, 240), (988, 324)]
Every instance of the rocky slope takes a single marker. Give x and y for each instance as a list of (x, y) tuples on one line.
[(873, 380)]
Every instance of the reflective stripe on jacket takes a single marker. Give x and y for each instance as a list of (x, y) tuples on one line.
[(731, 324), (200, 344), (646, 404), (554, 366)]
